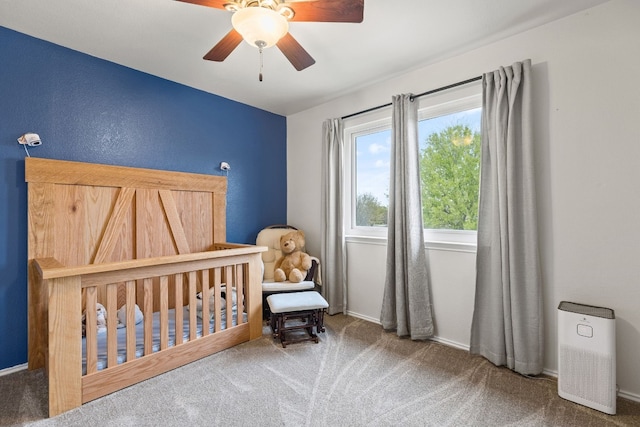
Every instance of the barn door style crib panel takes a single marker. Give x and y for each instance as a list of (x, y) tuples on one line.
[(113, 213), (133, 264)]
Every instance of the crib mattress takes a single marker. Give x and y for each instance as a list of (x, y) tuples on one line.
[(122, 337)]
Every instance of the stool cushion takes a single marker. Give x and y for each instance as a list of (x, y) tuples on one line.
[(296, 301)]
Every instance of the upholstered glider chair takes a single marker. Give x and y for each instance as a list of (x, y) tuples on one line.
[(270, 237)]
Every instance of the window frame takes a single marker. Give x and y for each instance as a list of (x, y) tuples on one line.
[(447, 102)]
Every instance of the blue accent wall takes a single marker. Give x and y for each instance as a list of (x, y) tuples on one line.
[(90, 110)]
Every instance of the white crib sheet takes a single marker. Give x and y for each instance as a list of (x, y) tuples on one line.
[(122, 337)]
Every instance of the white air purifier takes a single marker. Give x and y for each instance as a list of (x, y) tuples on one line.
[(587, 356)]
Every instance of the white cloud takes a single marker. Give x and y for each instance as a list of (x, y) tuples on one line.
[(377, 148)]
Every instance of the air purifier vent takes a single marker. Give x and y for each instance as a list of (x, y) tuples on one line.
[(587, 375), (589, 310), (586, 356)]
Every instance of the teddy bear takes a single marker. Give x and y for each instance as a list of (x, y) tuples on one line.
[(122, 315), (101, 319), (294, 262), (223, 304)]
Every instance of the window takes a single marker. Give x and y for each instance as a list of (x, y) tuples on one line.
[(449, 136), (372, 177)]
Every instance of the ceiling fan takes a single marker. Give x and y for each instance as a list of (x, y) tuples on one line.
[(264, 23)]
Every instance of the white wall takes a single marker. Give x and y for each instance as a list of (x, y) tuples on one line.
[(586, 71)]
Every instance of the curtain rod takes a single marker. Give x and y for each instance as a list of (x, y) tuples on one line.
[(429, 92)]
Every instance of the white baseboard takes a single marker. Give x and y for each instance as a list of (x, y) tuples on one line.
[(363, 317), (13, 369), (450, 343), (435, 338), (629, 396)]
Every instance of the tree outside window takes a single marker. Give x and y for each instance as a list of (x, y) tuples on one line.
[(450, 176)]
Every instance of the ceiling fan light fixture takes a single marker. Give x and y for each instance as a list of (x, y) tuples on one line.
[(259, 26)]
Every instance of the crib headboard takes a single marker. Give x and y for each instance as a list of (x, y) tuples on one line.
[(81, 213)]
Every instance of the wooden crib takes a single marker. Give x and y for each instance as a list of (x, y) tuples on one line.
[(126, 236)]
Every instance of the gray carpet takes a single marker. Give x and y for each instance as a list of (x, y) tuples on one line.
[(357, 375)]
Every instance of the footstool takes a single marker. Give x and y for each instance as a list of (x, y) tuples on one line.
[(296, 311)]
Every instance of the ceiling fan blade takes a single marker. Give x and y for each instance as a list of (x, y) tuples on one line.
[(218, 4), (224, 47), (295, 53), (328, 11)]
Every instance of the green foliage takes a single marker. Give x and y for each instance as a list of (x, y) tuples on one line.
[(450, 176), (370, 212)]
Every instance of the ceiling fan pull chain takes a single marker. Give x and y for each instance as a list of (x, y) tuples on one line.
[(260, 46)]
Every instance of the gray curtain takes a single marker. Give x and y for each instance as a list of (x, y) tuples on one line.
[(507, 326), (333, 253), (406, 305)]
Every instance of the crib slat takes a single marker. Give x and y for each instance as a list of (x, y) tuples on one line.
[(148, 315), (164, 312), (91, 341), (231, 283), (205, 302), (112, 322), (217, 284), (192, 306), (130, 286), (241, 269), (178, 311)]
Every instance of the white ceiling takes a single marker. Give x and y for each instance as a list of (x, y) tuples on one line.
[(168, 38)]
